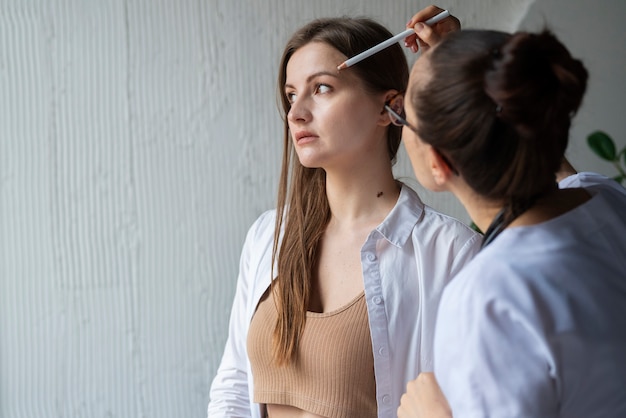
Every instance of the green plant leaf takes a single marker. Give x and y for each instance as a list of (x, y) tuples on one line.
[(602, 145), (619, 179)]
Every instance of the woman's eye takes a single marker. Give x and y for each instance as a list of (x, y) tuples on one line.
[(322, 88), (291, 97)]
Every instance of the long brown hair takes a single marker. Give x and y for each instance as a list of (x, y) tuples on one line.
[(302, 203), (499, 107)]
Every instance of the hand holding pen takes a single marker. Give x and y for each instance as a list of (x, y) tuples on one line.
[(427, 35), (429, 32)]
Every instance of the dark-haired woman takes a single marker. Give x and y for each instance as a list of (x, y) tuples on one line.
[(338, 287), (535, 324)]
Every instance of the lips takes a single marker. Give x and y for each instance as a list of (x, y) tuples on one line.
[(302, 137)]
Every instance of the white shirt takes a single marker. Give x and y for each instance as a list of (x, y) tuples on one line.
[(407, 260), (535, 325)]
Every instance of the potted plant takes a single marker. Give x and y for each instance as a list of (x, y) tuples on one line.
[(604, 147)]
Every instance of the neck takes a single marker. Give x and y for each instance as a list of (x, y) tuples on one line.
[(480, 210), (358, 197), (549, 205), (552, 205)]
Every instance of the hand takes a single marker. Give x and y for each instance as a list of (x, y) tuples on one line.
[(423, 398), (427, 36)]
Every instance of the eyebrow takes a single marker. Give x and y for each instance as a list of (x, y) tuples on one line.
[(315, 75)]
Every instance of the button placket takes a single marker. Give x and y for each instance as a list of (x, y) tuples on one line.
[(378, 321)]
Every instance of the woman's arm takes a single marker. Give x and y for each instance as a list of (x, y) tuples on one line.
[(229, 396)]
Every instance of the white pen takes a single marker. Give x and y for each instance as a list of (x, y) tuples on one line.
[(369, 52)]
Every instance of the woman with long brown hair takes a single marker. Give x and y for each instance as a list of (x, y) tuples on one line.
[(338, 286)]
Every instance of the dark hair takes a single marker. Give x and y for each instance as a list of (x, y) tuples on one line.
[(302, 202), (499, 107)]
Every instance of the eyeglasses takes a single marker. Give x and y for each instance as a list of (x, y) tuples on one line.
[(395, 108), (398, 118)]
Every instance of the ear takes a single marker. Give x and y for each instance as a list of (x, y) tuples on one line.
[(384, 119), (439, 167)]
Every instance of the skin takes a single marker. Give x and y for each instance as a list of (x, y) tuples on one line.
[(423, 398), (338, 126), (426, 36), (331, 115)]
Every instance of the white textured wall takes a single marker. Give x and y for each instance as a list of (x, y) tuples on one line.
[(593, 31), (138, 141)]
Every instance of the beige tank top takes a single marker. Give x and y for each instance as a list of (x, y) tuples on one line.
[(334, 373)]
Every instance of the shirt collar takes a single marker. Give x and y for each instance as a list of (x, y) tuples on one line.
[(399, 223)]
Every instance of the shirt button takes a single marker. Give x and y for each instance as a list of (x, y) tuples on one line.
[(371, 257), (382, 351), (378, 300), (386, 399)]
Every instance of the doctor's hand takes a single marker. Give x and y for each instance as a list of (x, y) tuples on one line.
[(426, 36), (423, 398)]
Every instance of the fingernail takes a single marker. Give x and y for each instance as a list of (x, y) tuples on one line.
[(418, 27)]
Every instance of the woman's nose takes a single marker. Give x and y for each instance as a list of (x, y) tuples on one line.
[(299, 111)]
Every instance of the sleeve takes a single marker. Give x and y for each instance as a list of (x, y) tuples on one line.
[(229, 395), (489, 360)]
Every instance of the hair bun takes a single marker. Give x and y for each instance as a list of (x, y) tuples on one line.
[(534, 77)]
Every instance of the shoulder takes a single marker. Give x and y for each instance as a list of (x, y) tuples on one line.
[(437, 238), (505, 278), (591, 180), (412, 220), (442, 222), (488, 277), (263, 225), (260, 236), (439, 229), (431, 221), (256, 255)]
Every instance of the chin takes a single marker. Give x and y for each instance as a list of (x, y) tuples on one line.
[(309, 161)]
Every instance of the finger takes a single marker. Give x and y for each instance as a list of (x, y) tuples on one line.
[(407, 408), (426, 378), (401, 413), (412, 385), (424, 14), (439, 29), (447, 25), (426, 35), (411, 42)]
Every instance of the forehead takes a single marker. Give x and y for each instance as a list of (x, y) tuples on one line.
[(313, 58)]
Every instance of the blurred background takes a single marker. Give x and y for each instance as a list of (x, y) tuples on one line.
[(139, 139)]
